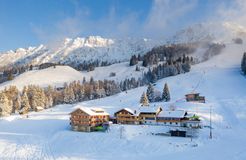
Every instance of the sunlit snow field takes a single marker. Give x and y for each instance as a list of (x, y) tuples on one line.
[(47, 134)]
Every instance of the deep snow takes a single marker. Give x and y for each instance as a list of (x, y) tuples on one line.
[(47, 134)]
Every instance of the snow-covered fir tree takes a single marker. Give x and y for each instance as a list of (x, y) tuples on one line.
[(25, 105), (166, 93), (49, 97), (36, 97), (243, 63), (144, 100), (17, 104), (69, 96), (5, 108), (151, 93), (12, 93)]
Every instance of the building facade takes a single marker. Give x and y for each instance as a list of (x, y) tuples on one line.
[(195, 97), (178, 118), (147, 115), (126, 116), (87, 119)]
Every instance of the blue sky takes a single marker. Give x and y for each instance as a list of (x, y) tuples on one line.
[(26, 23)]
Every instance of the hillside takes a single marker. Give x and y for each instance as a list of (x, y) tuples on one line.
[(50, 76), (61, 74), (44, 134)]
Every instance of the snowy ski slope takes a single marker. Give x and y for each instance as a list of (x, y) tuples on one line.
[(61, 74), (47, 134)]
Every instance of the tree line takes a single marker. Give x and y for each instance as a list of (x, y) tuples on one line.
[(167, 69), (35, 98)]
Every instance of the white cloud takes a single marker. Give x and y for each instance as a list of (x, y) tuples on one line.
[(160, 19), (164, 13), (236, 12)]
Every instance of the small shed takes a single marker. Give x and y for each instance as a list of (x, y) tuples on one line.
[(195, 97), (178, 133)]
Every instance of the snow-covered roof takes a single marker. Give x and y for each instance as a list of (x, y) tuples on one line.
[(39, 108), (172, 114), (193, 93), (128, 110), (148, 109), (92, 111), (189, 115)]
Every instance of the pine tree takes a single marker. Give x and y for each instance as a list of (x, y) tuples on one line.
[(49, 97), (166, 94), (243, 63), (69, 96), (91, 80), (186, 67), (5, 108), (133, 60), (12, 94), (36, 97), (150, 93), (144, 100), (17, 104), (25, 105), (10, 76)]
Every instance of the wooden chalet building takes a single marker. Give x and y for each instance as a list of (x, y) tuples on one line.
[(195, 97), (147, 115), (126, 116), (157, 116), (87, 119), (171, 117), (178, 118)]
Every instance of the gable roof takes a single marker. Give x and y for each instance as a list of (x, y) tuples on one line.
[(128, 110), (92, 111), (172, 114), (148, 109), (192, 94)]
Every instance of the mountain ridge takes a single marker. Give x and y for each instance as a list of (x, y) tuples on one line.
[(81, 49)]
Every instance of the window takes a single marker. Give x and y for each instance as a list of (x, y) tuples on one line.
[(171, 123), (149, 118)]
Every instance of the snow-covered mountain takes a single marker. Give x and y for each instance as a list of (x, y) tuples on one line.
[(222, 32), (93, 48), (78, 50)]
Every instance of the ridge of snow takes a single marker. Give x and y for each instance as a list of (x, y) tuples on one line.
[(78, 50)]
